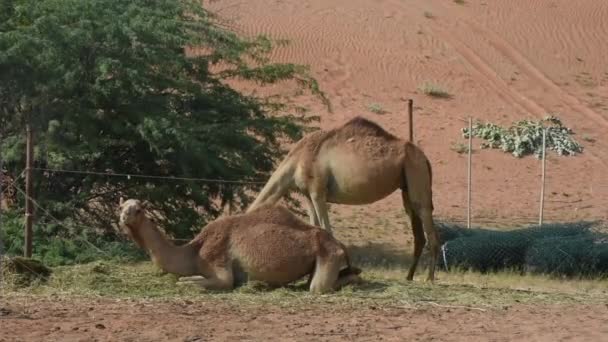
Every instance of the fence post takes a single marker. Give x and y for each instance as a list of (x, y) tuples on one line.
[(27, 251), (470, 152), (410, 111), (542, 185), (1, 196)]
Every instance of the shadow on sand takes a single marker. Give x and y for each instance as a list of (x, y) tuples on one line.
[(382, 255)]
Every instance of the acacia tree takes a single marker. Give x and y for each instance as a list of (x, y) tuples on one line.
[(107, 86)]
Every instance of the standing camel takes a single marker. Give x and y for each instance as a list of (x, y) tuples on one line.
[(359, 163), (269, 244)]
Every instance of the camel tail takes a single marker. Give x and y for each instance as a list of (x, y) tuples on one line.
[(276, 187)]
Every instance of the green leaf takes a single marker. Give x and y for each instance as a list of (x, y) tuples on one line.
[(127, 87)]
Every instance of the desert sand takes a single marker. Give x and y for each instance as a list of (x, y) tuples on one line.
[(501, 61), (187, 321)]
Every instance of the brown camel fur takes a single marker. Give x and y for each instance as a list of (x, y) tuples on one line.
[(269, 244), (359, 163)]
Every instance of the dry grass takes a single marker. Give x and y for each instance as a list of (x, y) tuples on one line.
[(381, 248), (460, 148), (376, 108), (383, 285), (434, 90)]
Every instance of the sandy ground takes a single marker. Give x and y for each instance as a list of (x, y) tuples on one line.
[(104, 320), (500, 60)]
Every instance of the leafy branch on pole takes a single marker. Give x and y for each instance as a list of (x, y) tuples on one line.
[(524, 137)]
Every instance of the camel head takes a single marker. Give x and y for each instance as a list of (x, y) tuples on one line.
[(132, 215)]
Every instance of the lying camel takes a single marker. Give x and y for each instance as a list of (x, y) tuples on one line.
[(269, 244), (358, 163)]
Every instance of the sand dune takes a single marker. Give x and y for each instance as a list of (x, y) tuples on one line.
[(500, 60)]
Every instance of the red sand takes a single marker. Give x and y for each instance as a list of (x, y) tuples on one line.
[(501, 60), (106, 320)]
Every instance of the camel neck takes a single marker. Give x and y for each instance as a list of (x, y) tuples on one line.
[(180, 260)]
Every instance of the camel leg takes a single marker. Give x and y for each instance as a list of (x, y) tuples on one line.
[(320, 205), (326, 274), (312, 214), (418, 232), (221, 280), (419, 185), (426, 216)]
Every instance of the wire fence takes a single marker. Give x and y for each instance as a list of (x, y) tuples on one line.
[(134, 175), (564, 249), (58, 222), (484, 221), (460, 248), (473, 251), (577, 248), (12, 185)]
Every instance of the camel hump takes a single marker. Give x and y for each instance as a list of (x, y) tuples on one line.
[(360, 126)]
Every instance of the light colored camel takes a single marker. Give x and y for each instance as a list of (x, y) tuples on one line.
[(358, 163), (270, 244)]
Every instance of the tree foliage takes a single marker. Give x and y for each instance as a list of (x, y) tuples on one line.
[(110, 85)]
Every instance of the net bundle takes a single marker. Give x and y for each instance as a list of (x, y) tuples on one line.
[(564, 249)]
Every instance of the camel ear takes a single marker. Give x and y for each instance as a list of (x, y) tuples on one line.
[(121, 201)]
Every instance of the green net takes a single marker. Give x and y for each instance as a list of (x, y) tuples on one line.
[(559, 249), (568, 256)]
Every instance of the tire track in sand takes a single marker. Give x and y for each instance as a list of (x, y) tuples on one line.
[(511, 53), (527, 69)]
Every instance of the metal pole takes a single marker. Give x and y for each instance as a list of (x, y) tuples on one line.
[(28, 190), (542, 186), (410, 111), (1, 232), (470, 150)]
